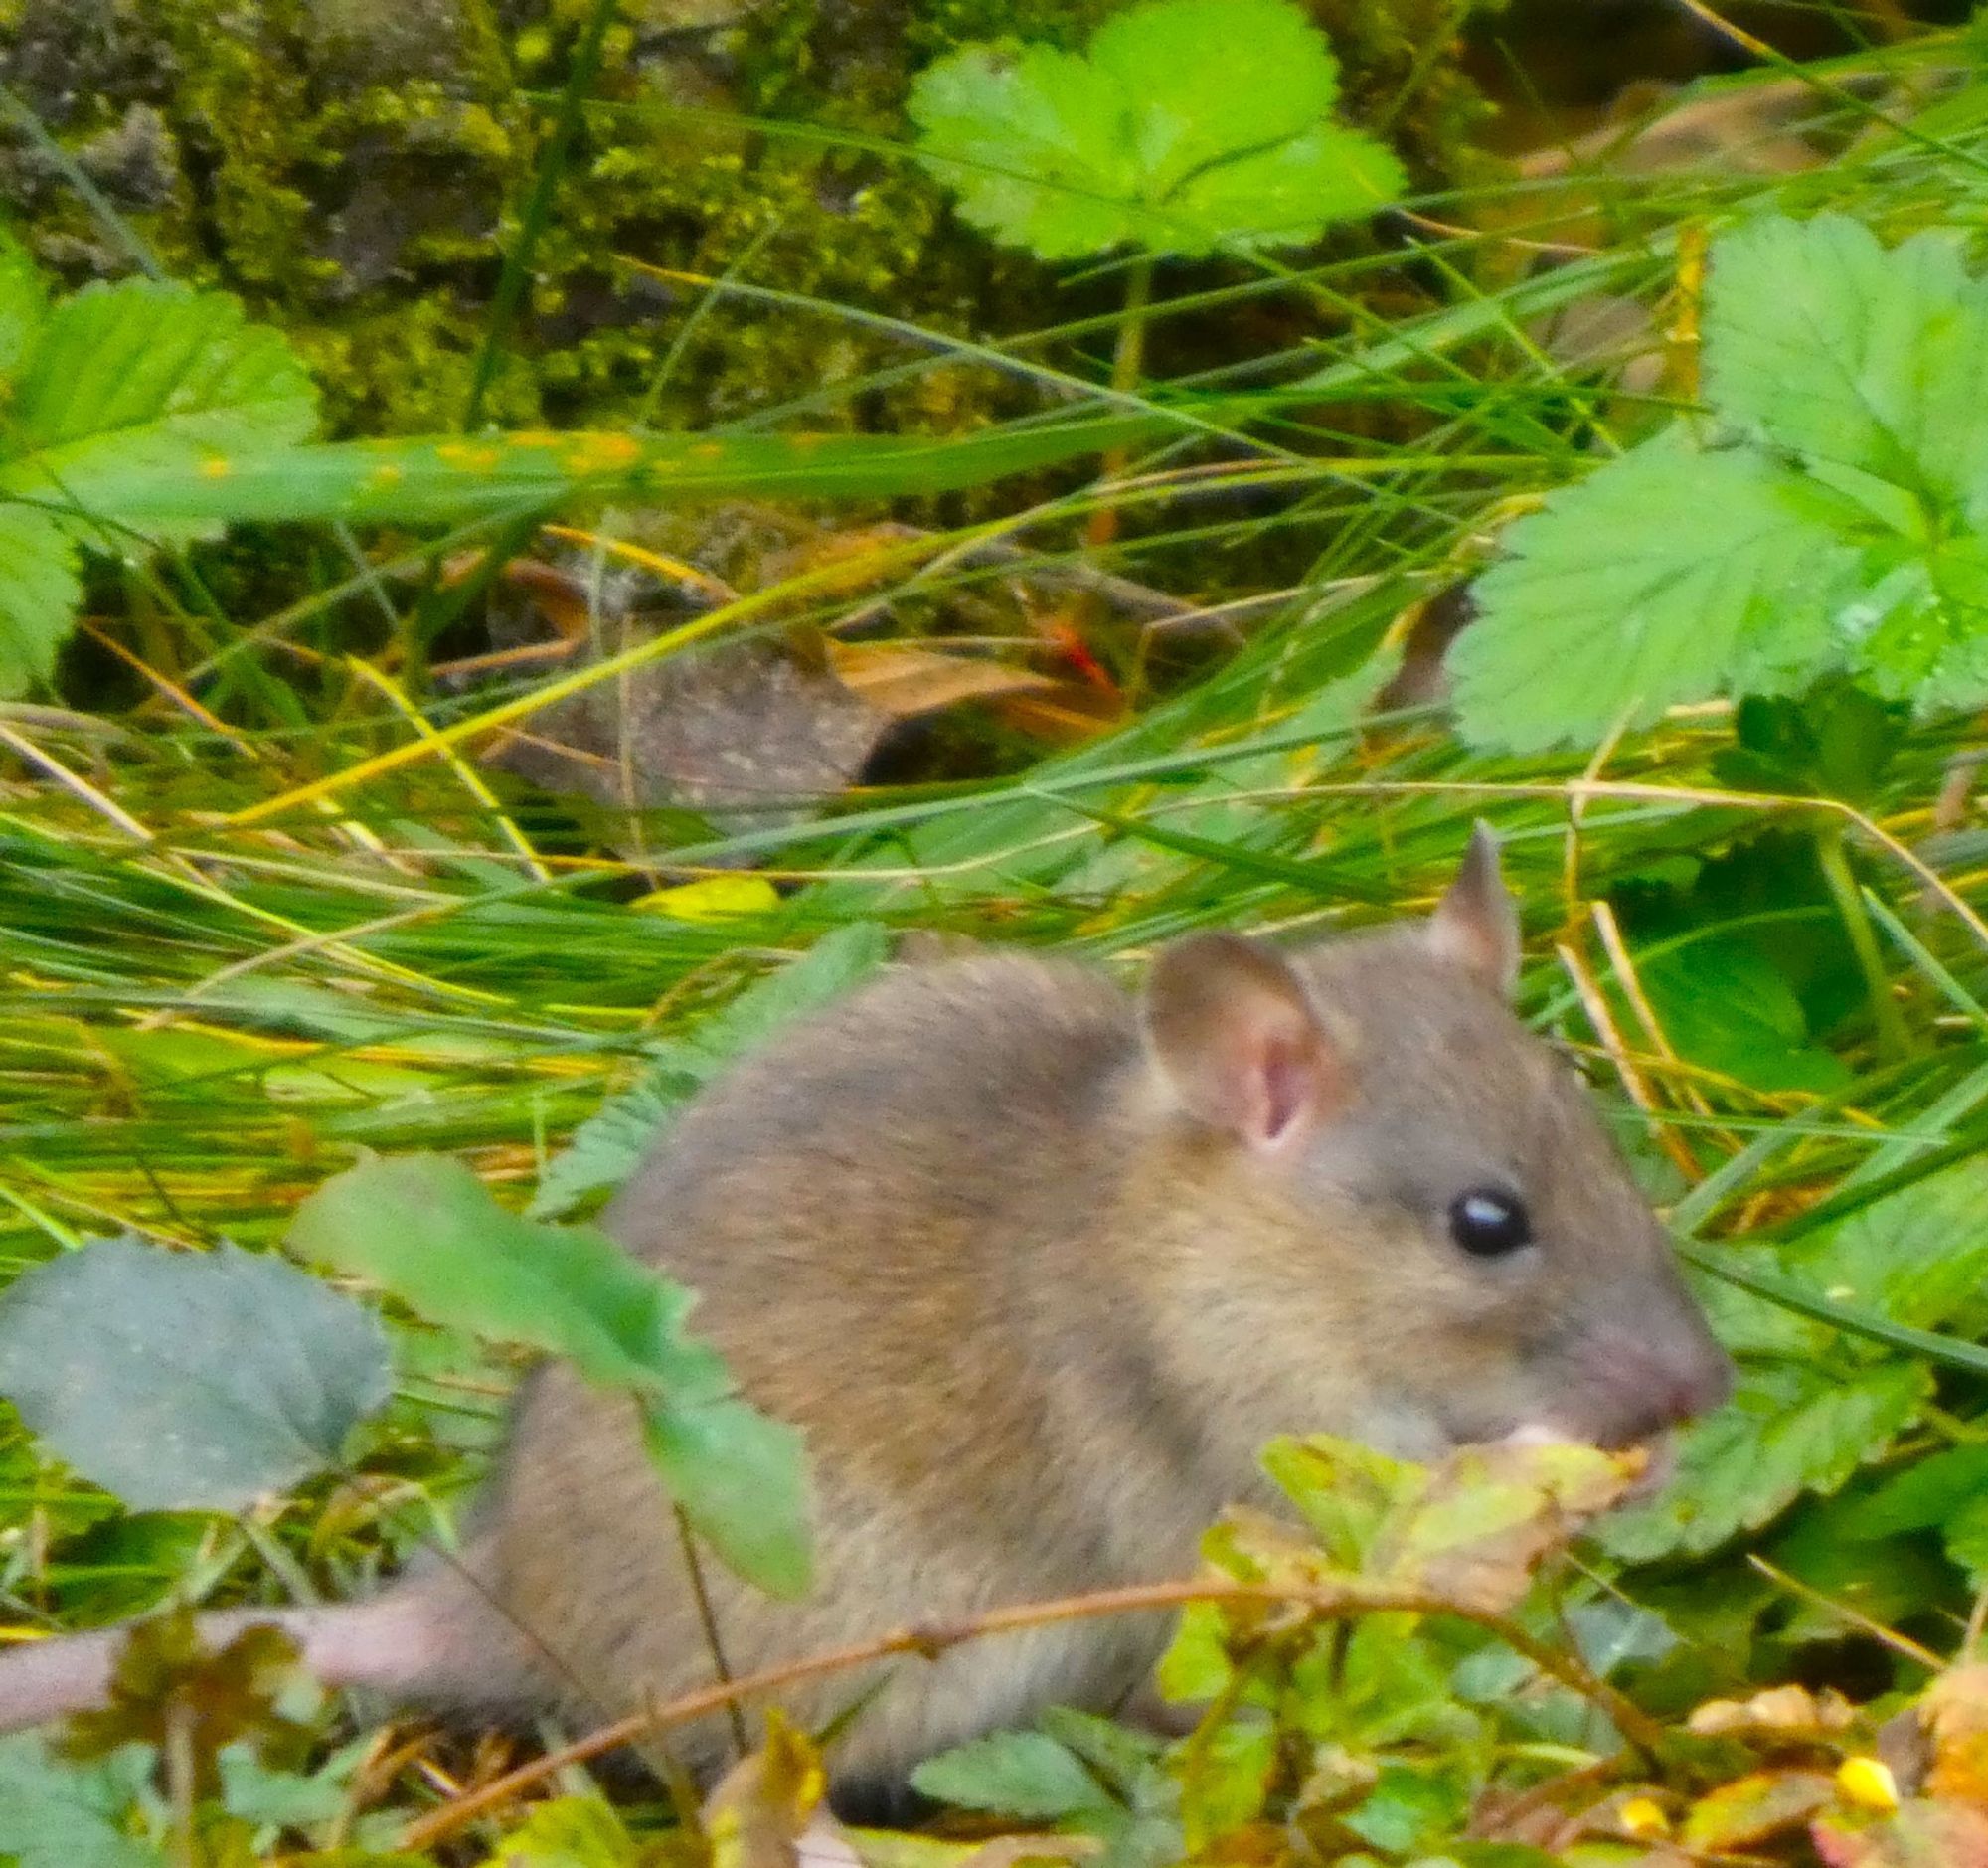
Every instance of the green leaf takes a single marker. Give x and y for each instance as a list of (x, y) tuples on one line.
[(70, 1815), (1789, 1430), (568, 1832), (1724, 1003), (1814, 1404), (742, 1479), (188, 1380), (451, 480), (38, 593), (1922, 1497), (427, 1230), (607, 1145), (1820, 341), (1028, 1776), (24, 303), (144, 381), (1225, 1777), (1190, 125), (1610, 607)]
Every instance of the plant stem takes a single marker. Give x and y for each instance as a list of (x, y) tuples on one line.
[(1128, 359), (707, 1623), (1893, 1038), (178, 1762), (929, 1641)]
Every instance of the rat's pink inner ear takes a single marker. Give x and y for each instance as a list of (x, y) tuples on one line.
[(1476, 924), (1235, 1037)]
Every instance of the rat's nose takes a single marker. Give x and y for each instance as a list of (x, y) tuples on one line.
[(1684, 1378), (1667, 1371)]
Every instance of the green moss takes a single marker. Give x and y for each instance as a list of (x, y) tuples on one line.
[(353, 169)]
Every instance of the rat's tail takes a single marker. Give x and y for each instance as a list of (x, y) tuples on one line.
[(431, 1638)]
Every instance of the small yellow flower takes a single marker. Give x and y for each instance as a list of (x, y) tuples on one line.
[(1643, 1819), (1868, 1784)]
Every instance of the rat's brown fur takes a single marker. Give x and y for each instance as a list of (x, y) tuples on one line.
[(1037, 1272)]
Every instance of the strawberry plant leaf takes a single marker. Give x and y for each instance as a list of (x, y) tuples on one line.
[(1814, 1405), (145, 381), (1607, 608), (1820, 342), (1190, 125), (188, 1381), (427, 1230), (38, 593), (1790, 1428), (24, 303)]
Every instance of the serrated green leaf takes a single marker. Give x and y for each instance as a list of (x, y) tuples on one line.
[(1225, 1777), (188, 1380), (55, 1814), (1926, 1494), (1028, 1776), (1820, 341), (24, 303), (1790, 1428), (146, 381), (1191, 124), (427, 1230), (1814, 1405), (607, 1146), (38, 593), (1609, 606)]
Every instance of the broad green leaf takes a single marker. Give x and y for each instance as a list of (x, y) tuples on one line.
[(1813, 1404), (741, 1478), (57, 1814), (1724, 1003), (438, 481), (427, 1230), (38, 593), (1790, 1428), (1028, 1776), (24, 303), (607, 1145), (1926, 1493), (1189, 125), (145, 381), (1820, 341), (1671, 575), (183, 1380)]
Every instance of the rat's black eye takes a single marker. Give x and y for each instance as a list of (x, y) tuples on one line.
[(1488, 1224)]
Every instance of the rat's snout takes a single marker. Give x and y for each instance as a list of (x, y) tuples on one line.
[(1654, 1373), (1683, 1380)]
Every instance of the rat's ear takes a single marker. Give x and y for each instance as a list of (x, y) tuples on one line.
[(1476, 924), (1235, 1036)]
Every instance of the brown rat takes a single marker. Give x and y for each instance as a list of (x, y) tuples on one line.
[(1039, 1269)]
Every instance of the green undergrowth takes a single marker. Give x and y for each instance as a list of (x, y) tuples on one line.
[(265, 909)]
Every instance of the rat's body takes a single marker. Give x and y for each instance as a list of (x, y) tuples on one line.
[(1038, 1270)]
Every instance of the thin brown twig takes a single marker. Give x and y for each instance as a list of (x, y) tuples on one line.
[(929, 1643)]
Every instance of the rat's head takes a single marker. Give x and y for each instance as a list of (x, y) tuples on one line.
[(1410, 1193)]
